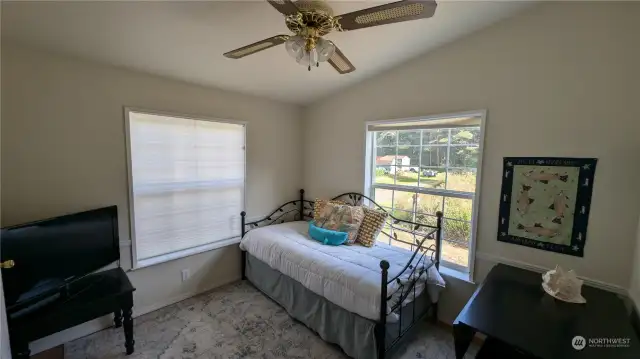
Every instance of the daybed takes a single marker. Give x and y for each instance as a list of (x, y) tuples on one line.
[(366, 300)]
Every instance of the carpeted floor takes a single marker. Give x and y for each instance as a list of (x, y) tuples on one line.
[(236, 321)]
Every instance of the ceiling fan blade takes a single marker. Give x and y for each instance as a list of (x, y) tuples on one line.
[(257, 47), (286, 7), (405, 10), (341, 63)]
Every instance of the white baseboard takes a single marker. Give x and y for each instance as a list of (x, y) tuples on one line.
[(536, 268)]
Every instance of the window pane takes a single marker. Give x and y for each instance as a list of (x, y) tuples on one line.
[(463, 156), (382, 237), (434, 156), (429, 204), (386, 151), (455, 253), (432, 177), (435, 137), (406, 238), (469, 135), (463, 180), (403, 201), (386, 138), (427, 219), (408, 156), (409, 137), (187, 182), (403, 215), (406, 177), (458, 208), (385, 174), (456, 241), (383, 197)]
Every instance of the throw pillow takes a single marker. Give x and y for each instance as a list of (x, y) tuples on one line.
[(319, 204), (326, 236), (342, 218), (371, 226)]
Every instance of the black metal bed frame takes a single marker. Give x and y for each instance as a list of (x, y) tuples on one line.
[(302, 209)]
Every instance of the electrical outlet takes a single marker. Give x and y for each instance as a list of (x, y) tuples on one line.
[(185, 274)]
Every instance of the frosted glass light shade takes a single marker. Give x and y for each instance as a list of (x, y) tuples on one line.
[(295, 46), (325, 49), (308, 58)]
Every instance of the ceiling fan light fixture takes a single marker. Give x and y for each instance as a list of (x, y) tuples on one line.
[(309, 51), (308, 58), (325, 49), (295, 46), (310, 20)]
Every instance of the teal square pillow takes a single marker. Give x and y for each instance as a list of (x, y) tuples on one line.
[(327, 236)]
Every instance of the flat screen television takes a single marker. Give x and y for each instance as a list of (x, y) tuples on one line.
[(51, 253)]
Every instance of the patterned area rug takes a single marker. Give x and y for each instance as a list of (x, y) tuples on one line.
[(237, 321)]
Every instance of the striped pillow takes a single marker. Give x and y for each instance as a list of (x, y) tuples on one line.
[(371, 226)]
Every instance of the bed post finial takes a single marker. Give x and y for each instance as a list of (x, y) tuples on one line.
[(438, 238), (301, 208)]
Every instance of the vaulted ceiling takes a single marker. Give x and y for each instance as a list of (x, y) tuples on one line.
[(185, 40)]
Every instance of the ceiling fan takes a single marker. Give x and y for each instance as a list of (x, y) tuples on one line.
[(310, 20)]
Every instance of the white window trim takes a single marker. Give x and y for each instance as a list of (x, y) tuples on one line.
[(462, 272), (135, 263)]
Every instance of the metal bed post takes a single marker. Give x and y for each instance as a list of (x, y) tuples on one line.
[(382, 324), (243, 253), (438, 238), (434, 317), (302, 204)]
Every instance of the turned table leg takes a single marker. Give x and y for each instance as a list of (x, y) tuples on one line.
[(128, 329), (117, 318)]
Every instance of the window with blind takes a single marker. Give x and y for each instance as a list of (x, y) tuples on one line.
[(417, 167), (186, 184)]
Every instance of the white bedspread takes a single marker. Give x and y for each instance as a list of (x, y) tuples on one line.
[(348, 276)]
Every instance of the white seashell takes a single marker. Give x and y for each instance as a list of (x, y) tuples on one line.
[(563, 285)]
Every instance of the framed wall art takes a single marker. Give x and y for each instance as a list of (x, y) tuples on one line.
[(545, 202)]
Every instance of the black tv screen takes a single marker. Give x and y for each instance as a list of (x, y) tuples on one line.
[(50, 253)]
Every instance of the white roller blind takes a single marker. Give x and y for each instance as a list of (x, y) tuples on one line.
[(187, 182)]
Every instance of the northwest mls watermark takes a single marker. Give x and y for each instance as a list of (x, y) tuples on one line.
[(579, 342)]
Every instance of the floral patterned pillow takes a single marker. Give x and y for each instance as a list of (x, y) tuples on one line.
[(319, 204), (342, 218)]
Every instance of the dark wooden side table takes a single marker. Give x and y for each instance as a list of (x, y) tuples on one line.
[(91, 297), (512, 309)]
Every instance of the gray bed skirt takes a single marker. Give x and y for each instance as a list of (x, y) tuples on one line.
[(353, 333)]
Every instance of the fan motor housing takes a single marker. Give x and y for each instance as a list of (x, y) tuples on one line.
[(314, 18)]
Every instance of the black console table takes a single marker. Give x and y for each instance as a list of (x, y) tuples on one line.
[(522, 321), (89, 298)]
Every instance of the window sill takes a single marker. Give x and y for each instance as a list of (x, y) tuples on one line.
[(184, 253), (457, 274)]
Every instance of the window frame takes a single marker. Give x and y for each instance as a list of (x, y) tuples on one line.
[(370, 185), (135, 263)]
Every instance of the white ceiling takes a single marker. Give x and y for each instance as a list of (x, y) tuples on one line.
[(185, 40)]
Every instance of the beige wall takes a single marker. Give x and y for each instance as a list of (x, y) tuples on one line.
[(558, 80), (63, 150)]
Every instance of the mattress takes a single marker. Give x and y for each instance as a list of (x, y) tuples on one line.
[(348, 276)]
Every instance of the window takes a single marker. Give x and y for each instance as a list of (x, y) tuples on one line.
[(417, 167), (186, 184)]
